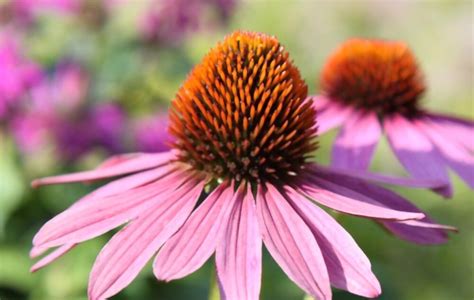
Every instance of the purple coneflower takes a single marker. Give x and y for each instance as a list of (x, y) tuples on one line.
[(238, 175), (371, 86)]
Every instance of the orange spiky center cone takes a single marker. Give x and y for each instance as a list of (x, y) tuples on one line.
[(242, 113), (374, 75)]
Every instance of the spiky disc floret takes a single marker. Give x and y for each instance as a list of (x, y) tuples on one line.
[(242, 113), (374, 75)]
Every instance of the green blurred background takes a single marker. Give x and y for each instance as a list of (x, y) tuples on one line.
[(439, 32)]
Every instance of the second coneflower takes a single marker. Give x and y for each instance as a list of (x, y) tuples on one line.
[(371, 86), (238, 175)]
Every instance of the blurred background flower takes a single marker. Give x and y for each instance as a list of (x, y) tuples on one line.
[(17, 74), (80, 79)]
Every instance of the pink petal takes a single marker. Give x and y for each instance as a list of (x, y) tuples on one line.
[(356, 142), (320, 103), (291, 243), (458, 158), (239, 252), (457, 130), (332, 116), (88, 220), (342, 199), (57, 253), (348, 267), (195, 242), (138, 163), (113, 188), (117, 159), (127, 183), (416, 152), (130, 249), (378, 178), (423, 231)]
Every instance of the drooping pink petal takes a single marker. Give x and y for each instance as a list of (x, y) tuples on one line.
[(342, 199), (88, 220), (416, 152), (355, 145), (113, 188), (127, 183), (135, 164), (291, 243), (378, 178), (130, 249), (239, 252), (458, 158), (423, 231), (117, 159), (320, 103), (195, 242), (348, 267), (332, 116), (57, 253), (455, 129)]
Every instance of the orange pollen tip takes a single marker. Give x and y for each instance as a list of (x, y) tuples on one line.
[(243, 112), (374, 75)]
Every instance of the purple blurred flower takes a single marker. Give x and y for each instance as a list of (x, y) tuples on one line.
[(59, 113), (108, 120), (17, 75), (169, 21), (151, 134), (99, 126), (24, 12)]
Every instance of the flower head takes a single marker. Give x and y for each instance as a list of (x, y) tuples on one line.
[(371, 86), (374, 75), (245, 97), (242, 113)]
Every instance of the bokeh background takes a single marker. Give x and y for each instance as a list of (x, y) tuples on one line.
[(83, 79)]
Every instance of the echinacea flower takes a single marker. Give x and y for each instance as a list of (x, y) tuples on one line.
[(372, 86), (238, 175)]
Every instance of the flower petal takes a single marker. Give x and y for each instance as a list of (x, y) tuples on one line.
[(195, 242), (332, 116), (135, 164), (458, 158), (320, 103), (378, 178), (342, 199), (460, 130), (239, 252), (88, 220), (348, 267), (355, 145), (57, 253), (416, 152), (423, 231), (291, 243), (130, 249), (113, 188)]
